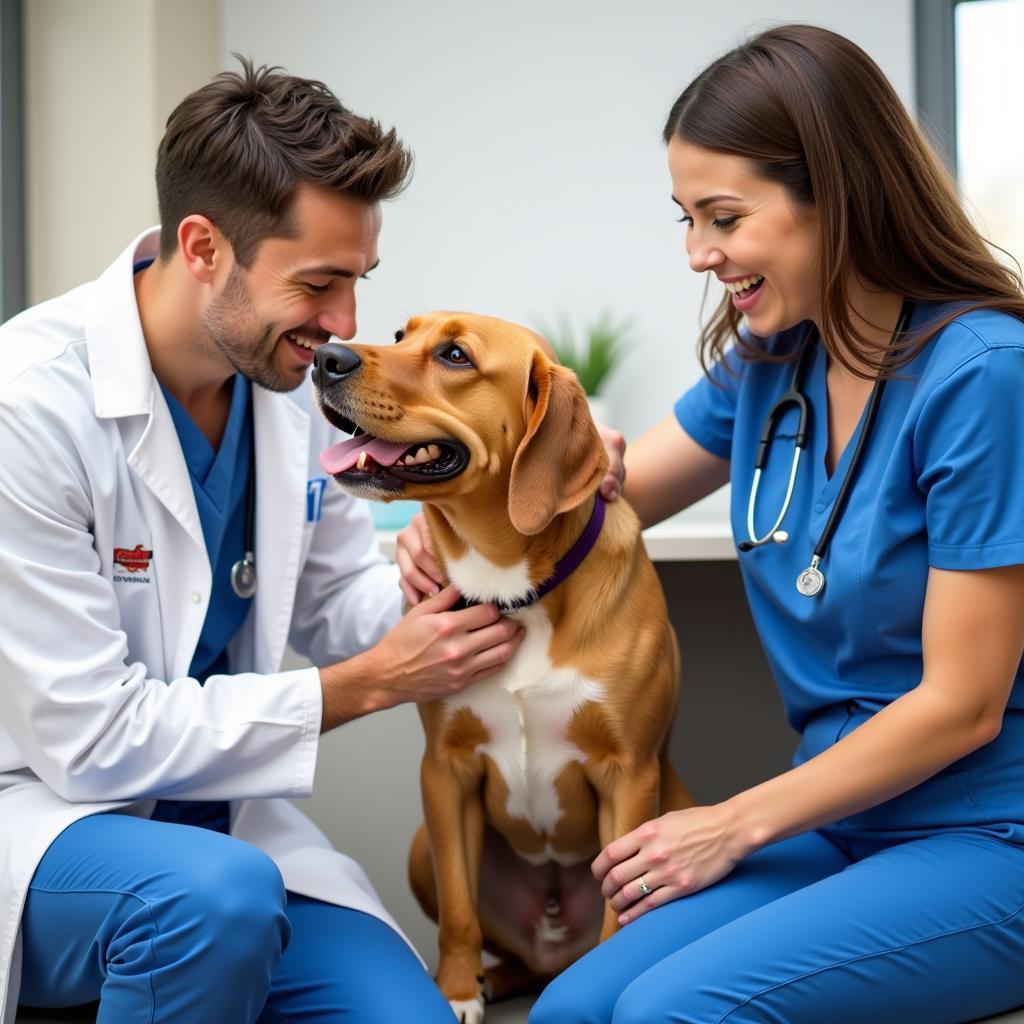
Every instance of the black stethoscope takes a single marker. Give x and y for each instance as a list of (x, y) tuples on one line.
[(243, 572), (811, 581)]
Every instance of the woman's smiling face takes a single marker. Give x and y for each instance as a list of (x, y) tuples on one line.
[(750, 233)]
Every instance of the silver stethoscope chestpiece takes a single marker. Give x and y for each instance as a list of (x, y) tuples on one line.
[(243, 577), (811, 582)]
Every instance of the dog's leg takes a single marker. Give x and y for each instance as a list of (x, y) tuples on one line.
[(509, 978), (626, 799), (674, 796), (421, 873), (455, 824)]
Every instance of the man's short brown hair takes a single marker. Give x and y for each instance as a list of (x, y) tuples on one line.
[(237, 150)]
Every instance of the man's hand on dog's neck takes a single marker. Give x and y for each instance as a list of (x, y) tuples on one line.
[(432, 653)]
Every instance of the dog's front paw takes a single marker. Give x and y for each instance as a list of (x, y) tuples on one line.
[(468, 1011)]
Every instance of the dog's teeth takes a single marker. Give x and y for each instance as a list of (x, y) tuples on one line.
[(418, 457), (421, 455), (361, 461)]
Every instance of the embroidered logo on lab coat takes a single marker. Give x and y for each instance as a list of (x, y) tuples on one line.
[(315, 498), (133, 561)]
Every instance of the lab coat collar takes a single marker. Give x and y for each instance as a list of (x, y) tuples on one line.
[(122, 375), (124, 385)]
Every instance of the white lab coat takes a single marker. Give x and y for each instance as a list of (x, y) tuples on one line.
[(97, 711)]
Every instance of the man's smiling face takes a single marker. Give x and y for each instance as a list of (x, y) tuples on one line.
[(268, 320)]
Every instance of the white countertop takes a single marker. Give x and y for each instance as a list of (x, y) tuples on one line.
[(675, 540)]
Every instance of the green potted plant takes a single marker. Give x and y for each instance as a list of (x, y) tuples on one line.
[(592, 355)]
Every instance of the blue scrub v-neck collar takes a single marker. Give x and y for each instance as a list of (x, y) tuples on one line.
[(826, 487), (212, 469)]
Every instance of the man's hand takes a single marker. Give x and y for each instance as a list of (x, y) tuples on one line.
[(433, 652)]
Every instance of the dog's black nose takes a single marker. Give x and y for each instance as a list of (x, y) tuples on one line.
[(333, 363)]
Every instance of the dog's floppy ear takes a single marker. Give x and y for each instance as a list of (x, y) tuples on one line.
[(561, 460)]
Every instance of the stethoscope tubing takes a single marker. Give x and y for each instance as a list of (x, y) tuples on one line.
[(794, 396), (243, 572)]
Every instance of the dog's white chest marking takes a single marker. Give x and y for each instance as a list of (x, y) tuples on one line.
[(527, 706), (481, 580)]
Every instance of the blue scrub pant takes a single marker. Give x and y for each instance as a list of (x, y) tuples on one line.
[(821, 927), (172, 923)]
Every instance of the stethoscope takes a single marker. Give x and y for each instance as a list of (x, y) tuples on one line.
[(243, 572), (811, 581)]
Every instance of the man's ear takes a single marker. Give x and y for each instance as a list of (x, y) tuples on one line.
[(203, 248), (561, 460)]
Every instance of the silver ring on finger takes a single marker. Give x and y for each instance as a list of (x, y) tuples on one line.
[(645, 889)]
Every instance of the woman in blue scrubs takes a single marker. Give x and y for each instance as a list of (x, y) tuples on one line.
[(882, 878)]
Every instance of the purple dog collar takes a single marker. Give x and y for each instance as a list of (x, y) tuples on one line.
[(563, 570)]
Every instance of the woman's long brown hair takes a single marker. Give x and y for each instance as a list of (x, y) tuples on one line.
[(813, 112)]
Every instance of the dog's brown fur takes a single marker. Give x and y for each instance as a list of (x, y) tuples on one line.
[(535, 462)]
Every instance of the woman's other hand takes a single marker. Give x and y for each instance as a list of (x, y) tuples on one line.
[(421, 575), (615, 445)]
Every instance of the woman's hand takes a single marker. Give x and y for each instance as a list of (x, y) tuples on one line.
[(421, 575), (677, 854), (615, 445)]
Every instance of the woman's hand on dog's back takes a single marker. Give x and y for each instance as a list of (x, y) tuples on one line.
[(615, 446), (421, 575), (432, 653)]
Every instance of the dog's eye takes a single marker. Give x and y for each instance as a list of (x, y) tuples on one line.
[(455, 355), (399, 335)]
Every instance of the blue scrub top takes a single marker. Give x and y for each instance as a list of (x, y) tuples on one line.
[(220, 481), (941, 483)]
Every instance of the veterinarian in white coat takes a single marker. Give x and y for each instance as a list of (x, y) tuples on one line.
[(106, 582)]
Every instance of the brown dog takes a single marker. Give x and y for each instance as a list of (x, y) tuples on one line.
[(529, 773)]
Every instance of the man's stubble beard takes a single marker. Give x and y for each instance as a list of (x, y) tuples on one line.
[(233, 330)]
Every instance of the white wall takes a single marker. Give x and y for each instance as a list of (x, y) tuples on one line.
[(541, 184), (100, 79)]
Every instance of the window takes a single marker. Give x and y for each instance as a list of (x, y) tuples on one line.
[(968, 52), (989, 142), (12, 192)]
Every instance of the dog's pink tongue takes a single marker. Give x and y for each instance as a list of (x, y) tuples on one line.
[(343, 456)]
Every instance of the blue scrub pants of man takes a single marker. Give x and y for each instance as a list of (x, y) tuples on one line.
[(171, 923)]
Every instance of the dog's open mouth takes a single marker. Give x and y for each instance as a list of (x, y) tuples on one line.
[(389, 464)]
